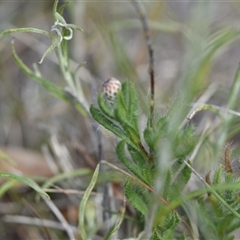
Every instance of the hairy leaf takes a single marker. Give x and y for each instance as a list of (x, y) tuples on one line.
[(106, 122)]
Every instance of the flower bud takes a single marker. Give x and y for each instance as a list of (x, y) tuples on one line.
[(110, 88)]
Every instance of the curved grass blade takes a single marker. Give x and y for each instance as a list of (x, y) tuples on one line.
[(73, 26), (6, 158), (68, 175), (26, 181), (6, 186), (81, 213), (116, 226), (54, 45), (51, 88), (19, 30), (207, 107), (62, 8)]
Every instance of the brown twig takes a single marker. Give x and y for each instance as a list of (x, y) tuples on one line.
[(228, 166), (208, 181), (141, 12), (37, 222)]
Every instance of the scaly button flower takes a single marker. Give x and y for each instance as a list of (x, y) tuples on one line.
[(110, 89)]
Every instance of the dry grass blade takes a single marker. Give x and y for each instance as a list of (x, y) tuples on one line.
[(60, 217), (37, 222)]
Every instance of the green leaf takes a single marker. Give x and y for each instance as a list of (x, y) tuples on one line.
[(106, 122), (73, 26), (217, 178), (55, 9), (162, 123), (55, 43), (62, 8), (148, 173), (206, 221), (185, 142), (137, 156), (133, 106), (120, 150), (18, 30), (132, 133), (59, 18), (104, 107), (171, 221), (120, 111), (150, 138), (51, 88), (138, 196), (183, 177), (6, 186), (234, 225), (131, 100), (230, 195), (224, 223), (24, 180), (156, 235), (82, 206), (167, 184)]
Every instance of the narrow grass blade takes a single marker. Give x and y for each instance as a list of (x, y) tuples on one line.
[(116, 226), (54, 45), (207, 107), (55, 9), (6, 186), (6, 158), (68, 175), (51, 88), (62, 8), (75, 27), (24, 180), (18, 30), (82, 207)]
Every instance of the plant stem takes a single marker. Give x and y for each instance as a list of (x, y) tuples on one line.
[(140, 9)]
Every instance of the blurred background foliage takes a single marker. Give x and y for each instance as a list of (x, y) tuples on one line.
[(111, 45), (34, 124)]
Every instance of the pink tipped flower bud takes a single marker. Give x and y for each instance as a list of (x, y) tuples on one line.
[(110, 88)]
